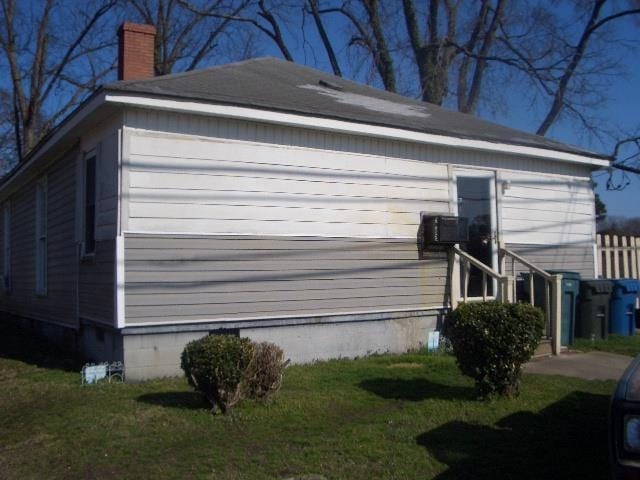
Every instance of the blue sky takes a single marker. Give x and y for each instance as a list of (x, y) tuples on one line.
[(619, 113)]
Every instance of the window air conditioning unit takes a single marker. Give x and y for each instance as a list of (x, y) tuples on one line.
[(442, 230)]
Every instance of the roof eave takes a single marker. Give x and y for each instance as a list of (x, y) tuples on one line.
[(90, 105), (342, 126)]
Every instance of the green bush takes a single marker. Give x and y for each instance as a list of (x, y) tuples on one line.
[(263, 377), (227, 369), (492, 340), (216, 365)]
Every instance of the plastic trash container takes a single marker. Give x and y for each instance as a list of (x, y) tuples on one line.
[(570, 290), (623, 307), (593, 309)]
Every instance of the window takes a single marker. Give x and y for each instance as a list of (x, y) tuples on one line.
[(6, 246), (41, 236), (89, 205)]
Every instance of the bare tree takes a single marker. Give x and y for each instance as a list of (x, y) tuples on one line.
[(368, 34), (312, 8), (259, 14), (442, 52), (595, 22), (51, 52), (465, 54), (186, 34)]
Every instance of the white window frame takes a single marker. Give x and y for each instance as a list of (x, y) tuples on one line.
[(6, 246), (41, 236), (89, 253)]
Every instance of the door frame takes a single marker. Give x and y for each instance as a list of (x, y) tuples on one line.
[(495, 193)]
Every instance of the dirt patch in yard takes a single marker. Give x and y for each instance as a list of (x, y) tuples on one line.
[(406, 365)]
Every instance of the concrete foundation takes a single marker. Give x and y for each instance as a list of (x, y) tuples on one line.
[(155, 355), (153, 352), (152, 355), (100, 344), (308, 343)]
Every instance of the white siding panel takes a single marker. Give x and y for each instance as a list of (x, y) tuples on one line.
[(200, 185), (187, 151), (262, 199), (562, 194), (547, 210), (211, 175), (571, 226), (271, 213), (244, 131), (266, 227), (187, 181)]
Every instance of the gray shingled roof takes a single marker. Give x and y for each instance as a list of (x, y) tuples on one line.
[(278, 85)]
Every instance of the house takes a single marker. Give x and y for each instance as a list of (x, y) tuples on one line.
[(275, 201)]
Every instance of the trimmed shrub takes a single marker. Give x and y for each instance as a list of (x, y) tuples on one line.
[(263, 377), (492, 340), (216, 366)]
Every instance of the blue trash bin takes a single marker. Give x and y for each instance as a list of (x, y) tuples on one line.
[(622, 312)]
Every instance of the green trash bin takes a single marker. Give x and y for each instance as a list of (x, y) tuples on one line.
[(570, 291), (593, 309)]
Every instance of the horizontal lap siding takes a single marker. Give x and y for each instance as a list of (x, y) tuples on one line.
[(97, 273), (246, 131), (107, 188), (173, 279), (547, 210), (195, 185), (293, 221), (553, 257), (58, 305), (96, 298)]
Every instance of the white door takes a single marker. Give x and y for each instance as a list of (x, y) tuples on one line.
[(476, 201)]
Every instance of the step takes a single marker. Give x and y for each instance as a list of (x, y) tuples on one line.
[(544, 349)]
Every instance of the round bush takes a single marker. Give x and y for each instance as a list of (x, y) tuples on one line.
[(215, 365), (492, 340), (263, 377)]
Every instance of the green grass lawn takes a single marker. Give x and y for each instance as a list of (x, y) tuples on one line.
[(614, 344), (383, 417)]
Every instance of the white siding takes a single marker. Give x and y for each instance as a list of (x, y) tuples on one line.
[(547, 210), (185, 184), (243, 131), (209, 175)]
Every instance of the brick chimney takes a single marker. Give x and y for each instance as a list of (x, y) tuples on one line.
[(135, 51)]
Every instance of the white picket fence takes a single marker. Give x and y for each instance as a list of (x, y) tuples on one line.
[(618, 256)]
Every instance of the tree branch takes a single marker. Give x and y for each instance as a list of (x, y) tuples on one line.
[(333, 60)]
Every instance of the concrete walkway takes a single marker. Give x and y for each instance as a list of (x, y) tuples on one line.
[(589, 366)]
